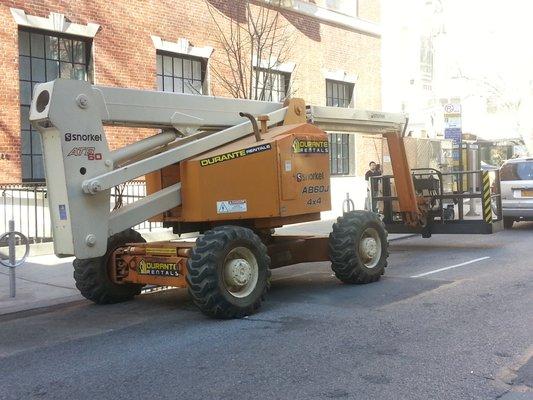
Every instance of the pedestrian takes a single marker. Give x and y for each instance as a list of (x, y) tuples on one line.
[(372, 171)]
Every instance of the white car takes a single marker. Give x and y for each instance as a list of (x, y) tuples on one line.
[(516, 177)]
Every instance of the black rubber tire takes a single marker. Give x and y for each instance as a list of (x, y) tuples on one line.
[(343, 247), (92, 278), (205, 267), (508, 222)]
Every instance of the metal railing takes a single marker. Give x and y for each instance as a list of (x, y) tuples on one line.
[(477, 191), (27, 204)]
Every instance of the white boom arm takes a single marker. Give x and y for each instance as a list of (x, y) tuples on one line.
[(81, 169)]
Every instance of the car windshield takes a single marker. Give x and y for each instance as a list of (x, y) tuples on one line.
[(520, 171)]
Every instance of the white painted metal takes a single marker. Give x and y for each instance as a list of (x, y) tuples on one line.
[(135, 213), (369, 248), (363, 121), (185, 112), (240, 272), (142, 146)]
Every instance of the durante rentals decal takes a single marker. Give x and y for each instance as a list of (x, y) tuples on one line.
[(310, 146), (157, 268), (235, 154)]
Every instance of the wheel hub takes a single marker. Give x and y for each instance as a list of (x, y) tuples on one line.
[(369, 247), (238, 272)]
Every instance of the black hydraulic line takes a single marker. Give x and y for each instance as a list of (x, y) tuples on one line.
[(405, 126), (254, 124)]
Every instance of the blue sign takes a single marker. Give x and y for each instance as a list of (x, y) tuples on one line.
[(62, 212), (453, 134), (456, 154)]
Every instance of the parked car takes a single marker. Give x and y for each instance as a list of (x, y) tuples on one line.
[(516, 177)]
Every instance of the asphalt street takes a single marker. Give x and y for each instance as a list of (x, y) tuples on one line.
[(451, 319)]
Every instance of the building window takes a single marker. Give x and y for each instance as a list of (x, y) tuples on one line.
[(44, 57), (339, 153), (271, 85), (180, 74), (426, 59), (338, 94)]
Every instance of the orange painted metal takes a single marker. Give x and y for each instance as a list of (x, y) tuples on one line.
[(165, 263), (295, 111), (284, 175), (289, 250), (408, 203), (156, 263)]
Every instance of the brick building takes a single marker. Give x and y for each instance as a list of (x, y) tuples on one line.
[(171, 45)]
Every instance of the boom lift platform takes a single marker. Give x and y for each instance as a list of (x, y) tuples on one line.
[(233, 170), (427, 201)]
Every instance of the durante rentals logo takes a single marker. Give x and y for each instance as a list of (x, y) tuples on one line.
[(310, 146)]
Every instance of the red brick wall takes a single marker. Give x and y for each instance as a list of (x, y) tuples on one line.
[(124, 55)]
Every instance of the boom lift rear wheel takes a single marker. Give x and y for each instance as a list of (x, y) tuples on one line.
[(228, 272), (358, 247), (92, 275)]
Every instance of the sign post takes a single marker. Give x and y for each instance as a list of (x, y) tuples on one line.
[(453, 131)]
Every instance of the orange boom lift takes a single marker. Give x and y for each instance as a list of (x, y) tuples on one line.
[(232, 170)]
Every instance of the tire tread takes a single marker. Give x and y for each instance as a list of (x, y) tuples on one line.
[(202, 278), (344, 260), (91, 276)]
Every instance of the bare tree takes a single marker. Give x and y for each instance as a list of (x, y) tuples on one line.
[(252, 50), (504, 96)]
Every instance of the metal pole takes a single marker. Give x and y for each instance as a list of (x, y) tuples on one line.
[(12, 276)]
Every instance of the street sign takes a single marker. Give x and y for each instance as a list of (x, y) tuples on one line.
[(452, 108), (453, 121), (453, 128), (453, 134)]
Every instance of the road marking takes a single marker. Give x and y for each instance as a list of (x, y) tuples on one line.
[(450, 267)]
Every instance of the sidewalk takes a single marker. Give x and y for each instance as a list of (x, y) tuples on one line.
[(46, 280), (43, 281)]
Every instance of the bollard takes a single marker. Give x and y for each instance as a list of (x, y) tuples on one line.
[(348, 204), (13, 263), (12, 273)]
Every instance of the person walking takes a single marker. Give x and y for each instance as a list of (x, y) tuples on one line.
[(372, 171)]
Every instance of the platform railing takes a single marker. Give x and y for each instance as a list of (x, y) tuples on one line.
[(476, 192)]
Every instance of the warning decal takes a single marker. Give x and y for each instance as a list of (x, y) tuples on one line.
[(231, 206)]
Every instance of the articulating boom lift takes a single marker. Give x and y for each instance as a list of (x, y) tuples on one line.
[(210, 169)]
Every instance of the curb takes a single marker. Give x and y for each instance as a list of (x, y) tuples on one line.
[(39, 307), (407, 236)]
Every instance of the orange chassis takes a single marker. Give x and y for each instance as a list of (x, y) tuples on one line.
[(165, 263)]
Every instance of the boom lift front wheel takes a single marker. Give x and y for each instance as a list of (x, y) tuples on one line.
[(228, 272), (358, 247), (92, 275)]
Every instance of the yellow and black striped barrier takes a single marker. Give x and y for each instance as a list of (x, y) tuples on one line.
[(487, 210)]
